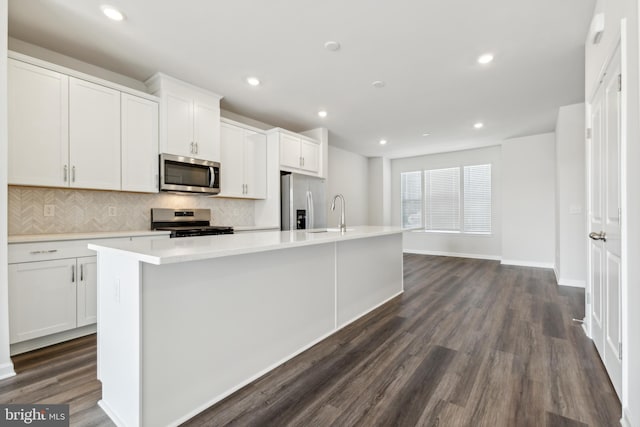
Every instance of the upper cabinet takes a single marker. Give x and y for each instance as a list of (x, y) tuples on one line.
[(243, 165), (94, 135), (139, 144), (190, 118), (38, 117), (67, 129), (299, 153)]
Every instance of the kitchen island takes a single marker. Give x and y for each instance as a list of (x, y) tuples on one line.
[(183, 323)]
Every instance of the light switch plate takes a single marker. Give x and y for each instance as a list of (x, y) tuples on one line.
[(575, 210)]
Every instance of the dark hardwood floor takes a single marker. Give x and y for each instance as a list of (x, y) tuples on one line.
[(469, 343)]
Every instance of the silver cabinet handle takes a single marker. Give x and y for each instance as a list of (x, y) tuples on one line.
[(82, 272), (303, 161), (73, 174), (192, 152), (73, 274), (66, 172), (598, 236), (50, 251), (196, 148)]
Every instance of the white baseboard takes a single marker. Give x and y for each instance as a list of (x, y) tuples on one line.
[(6, 371), (572, 283), (520, 263), (36, 343), (452, 254)]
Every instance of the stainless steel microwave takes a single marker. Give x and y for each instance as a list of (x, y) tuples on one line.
[(189, 175)]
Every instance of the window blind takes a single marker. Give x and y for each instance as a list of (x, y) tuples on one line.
[(477, 199), (442, 194), (411, 199)]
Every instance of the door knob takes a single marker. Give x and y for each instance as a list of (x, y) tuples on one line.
[(598, 236)]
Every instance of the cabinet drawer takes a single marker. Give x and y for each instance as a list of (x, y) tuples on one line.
[(43, 251)]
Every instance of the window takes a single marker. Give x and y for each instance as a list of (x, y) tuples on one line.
[(477, 199), (442, 199), (411, 199), (456, 199)]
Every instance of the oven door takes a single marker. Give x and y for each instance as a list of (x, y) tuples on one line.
[(189, 175)]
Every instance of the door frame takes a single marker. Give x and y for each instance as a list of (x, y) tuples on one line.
[(621, 43)]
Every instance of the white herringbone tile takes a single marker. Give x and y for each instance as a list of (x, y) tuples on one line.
[(88, 210)]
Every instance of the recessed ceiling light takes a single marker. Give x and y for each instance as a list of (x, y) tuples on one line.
[(383, 141), (253, 81), (378, 84), (332, 46), (112, 13), (478, 125), (322, 113), (426, 134), (485, 59)]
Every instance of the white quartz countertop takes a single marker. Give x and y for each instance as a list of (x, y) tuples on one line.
[(34, 238), (168, 251)]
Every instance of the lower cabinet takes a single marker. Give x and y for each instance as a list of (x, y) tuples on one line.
[(53, 291), (47, 297)]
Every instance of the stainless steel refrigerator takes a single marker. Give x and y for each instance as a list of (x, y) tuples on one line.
[(304, 203)]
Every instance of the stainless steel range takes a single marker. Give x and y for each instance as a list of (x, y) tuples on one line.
[(186, 222)]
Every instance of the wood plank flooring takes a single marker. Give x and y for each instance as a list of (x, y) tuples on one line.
[(469, 343)]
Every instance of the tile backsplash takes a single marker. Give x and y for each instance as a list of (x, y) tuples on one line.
[(77, 211)]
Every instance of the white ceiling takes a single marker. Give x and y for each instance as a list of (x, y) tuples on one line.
[(425, 51)]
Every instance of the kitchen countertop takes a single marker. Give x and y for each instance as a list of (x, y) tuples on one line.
[(35, 238), (241, 228), (168, 251)]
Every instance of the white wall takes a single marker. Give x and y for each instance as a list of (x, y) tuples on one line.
[(480, 246), (6, 367), (348, 175), (596, 56), (379, 191), (571, 231), (528, 200)]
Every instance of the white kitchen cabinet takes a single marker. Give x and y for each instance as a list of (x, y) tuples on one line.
[(94, 135), (190, 118), (243, 166), (299, 153), (86, 291), (66, 130), (42, 298), (139, 146), (53, 290), (38, 154)]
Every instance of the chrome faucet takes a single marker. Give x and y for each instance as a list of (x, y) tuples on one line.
[(342, 226)]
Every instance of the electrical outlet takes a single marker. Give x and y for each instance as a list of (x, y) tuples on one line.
[(112, 211), (49, 210)]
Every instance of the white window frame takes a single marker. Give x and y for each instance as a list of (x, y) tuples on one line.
[(461, 216)]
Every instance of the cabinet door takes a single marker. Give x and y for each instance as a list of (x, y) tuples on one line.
[(87, 291), (42, 298), (206, 125), (232, 161), (289, 151), (38, 111), (310, 153), (179, 125), (255, 165), (139, 144), (94, 135)]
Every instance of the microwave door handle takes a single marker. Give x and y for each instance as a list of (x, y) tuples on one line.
[(212, 176)]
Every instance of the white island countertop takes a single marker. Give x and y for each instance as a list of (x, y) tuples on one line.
[(169, 251)]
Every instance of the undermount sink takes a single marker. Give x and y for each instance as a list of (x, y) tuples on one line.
[(324, 230), (337, 229)]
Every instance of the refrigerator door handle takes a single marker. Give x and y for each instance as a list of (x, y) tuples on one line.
[(310, 219)]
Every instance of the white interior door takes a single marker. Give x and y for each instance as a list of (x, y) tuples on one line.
[(604, 221)]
